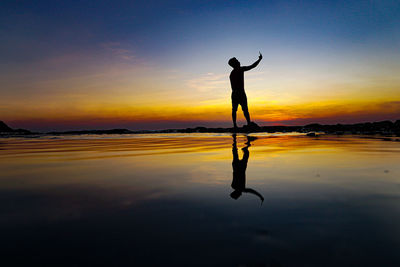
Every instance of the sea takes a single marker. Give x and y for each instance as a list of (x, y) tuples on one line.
[(200, 200)]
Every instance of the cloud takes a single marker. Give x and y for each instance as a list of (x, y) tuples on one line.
[(209, 82), (119, 51), (215, 81)]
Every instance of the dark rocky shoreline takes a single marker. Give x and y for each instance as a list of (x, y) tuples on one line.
[(383, 128)]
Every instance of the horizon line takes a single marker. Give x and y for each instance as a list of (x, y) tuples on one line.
[(207, 127)]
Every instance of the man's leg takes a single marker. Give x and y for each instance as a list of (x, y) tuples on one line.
[(234, 109), (245, 111)]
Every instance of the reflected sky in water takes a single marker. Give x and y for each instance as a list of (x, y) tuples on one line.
[(167, 199)]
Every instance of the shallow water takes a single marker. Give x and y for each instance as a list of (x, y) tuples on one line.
[(168, 200)]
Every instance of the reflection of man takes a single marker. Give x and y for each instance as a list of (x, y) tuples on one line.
[(239, 170)]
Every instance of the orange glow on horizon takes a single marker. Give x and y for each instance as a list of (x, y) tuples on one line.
[(126, 95), (272, 114)]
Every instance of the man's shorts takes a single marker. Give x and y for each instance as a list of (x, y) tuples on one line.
[(239, 98)]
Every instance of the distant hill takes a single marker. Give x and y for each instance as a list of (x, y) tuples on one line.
[(384, 128), (387, 128), (4, 127)]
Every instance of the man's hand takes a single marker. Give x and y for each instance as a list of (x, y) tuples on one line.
[(252, 66)]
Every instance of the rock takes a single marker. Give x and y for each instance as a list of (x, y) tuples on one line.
[(251, 127)]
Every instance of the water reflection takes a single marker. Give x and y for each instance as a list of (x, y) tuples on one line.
[(119, 202), (239, 167)]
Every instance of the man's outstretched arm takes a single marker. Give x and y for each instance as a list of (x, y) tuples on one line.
[(252, 66), (252, 191)]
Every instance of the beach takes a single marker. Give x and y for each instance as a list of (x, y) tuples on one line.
[(166, 198)]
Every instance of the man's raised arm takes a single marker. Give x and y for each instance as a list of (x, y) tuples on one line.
[(252, 191), (252, 66)]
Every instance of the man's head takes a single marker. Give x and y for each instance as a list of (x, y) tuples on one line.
[(236, 194), (234, 63)]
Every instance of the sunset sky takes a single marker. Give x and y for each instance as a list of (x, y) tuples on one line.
[(163, 64)]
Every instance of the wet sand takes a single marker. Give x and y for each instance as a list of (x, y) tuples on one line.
[(166, 199)]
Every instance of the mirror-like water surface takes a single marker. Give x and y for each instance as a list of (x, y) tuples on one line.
[(272, 200)]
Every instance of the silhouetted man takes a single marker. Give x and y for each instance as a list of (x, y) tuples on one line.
[(237, 84), (239, 170)]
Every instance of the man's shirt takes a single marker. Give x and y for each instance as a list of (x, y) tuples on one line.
[(237, 79)]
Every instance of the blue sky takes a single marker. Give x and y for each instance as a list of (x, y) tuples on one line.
[(312, 41), (33, 29)]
